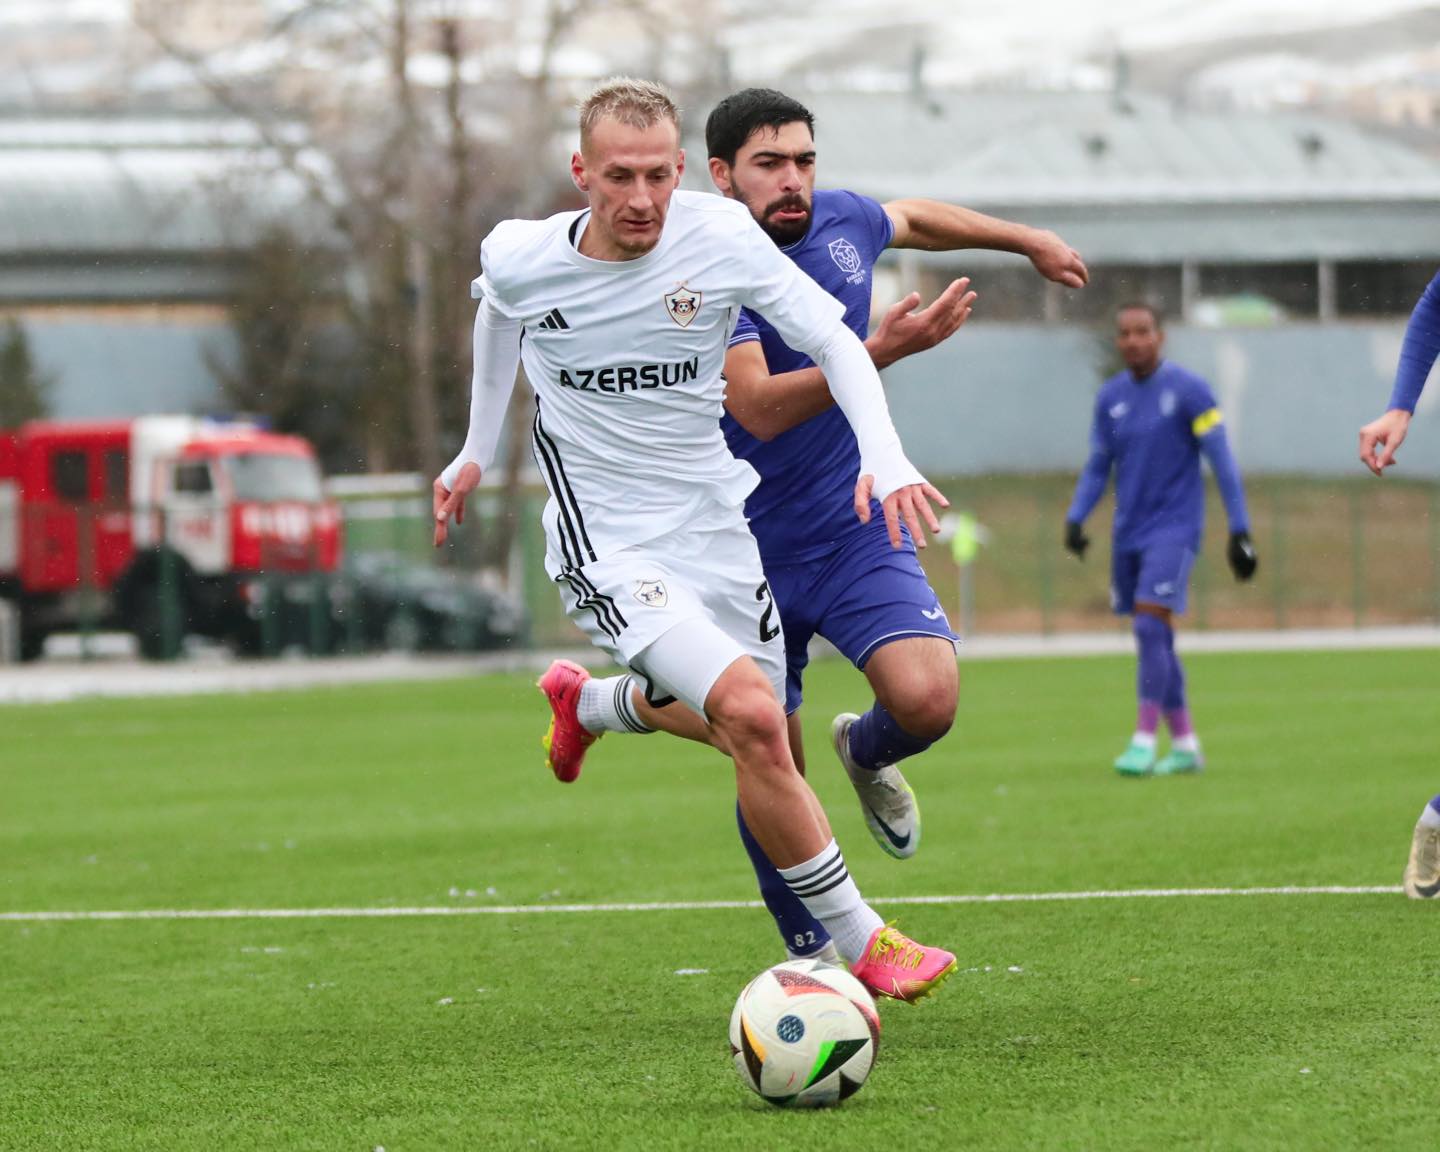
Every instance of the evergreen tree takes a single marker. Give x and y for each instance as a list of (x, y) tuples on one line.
[(24, 389)]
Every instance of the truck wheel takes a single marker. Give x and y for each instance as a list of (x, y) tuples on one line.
[(247, 639), (148, 625), (32, 643)]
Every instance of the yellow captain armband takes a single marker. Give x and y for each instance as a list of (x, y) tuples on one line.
[(1206, 421)]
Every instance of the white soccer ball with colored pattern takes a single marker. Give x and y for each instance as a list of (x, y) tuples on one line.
[(804, 1034)]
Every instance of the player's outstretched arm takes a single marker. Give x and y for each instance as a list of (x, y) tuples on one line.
[(905, 331), (767, 405), (1381, 439), (937, 227), (496, 345)]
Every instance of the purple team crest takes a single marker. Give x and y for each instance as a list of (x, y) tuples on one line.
[(683, 305), (845, 255)]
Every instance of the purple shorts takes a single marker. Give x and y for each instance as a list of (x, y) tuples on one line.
[(859, 597), (1157, 574)]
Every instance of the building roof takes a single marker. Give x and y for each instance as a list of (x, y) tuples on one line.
[(77, 186), (1138, 178)]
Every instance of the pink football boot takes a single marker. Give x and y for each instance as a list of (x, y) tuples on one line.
[(894, 965), (567, 740)]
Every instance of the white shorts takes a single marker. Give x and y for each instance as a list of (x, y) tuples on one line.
[(706, 578)]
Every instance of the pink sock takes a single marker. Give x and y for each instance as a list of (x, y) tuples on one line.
[(1148, 719), (1178, 721)]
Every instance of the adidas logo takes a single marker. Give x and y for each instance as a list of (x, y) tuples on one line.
[(554, 322)]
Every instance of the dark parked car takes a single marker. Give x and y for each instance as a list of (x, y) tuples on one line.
[(387, 600)]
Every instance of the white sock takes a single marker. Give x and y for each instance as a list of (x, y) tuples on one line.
[(1187, 743), (824, 886), (1430, 818), (826, 954), (1143, 739), (605, 705)]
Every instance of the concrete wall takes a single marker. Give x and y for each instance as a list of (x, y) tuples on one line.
[(1017, 398), (995, 398)]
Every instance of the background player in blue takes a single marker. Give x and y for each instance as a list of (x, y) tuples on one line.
[(1152, 424), (828, 573), (1378, 442)]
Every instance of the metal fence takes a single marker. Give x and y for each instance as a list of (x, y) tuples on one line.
[(1333, 553)]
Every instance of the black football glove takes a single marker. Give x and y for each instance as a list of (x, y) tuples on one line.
[(1075, 539), (1241, 555)]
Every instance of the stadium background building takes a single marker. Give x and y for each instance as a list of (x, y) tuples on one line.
[(1286, 248)]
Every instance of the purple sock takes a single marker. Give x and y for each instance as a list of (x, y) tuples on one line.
[(1435, 804), (877, 740), (802, 933), (1177, 711), (1153, 673)]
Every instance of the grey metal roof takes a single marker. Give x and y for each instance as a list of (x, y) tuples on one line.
[(168, 186), (1049, 148), (1138, 180)]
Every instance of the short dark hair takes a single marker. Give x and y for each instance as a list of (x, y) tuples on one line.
[(1143, 306), (735, 118)]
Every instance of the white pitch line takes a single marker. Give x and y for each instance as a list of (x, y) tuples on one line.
[(672, 905)]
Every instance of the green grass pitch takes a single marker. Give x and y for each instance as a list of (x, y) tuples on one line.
[(1228, 1022)]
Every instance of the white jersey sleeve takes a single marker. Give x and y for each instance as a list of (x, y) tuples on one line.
[(496, 343), (496, 346), (810, 320)]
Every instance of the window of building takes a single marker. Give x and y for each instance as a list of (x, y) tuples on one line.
[(1291, 288), (1381, 287), (1011, 294), (1113, 285)]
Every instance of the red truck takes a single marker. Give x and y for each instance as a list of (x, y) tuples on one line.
[(160, 525)]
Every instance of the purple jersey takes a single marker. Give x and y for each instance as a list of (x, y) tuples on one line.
[(1420, 350), (803, 506), (1153, 431)]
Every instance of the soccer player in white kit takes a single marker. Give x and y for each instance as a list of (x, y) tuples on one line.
[(621, 313)]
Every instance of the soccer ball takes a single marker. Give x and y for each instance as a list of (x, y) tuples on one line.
[(804, 1034)]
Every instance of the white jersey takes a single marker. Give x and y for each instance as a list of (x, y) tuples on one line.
[(626, 357)]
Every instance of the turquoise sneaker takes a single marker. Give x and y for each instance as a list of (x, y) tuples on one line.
[(1179, 763), (1422, 874), (1136, 760)]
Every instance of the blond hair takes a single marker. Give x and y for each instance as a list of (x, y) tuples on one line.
[(636, 103)]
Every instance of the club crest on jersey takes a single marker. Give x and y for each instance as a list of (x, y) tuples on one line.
[(683, 305), (847, 259), (1167, 403), (651, 593)]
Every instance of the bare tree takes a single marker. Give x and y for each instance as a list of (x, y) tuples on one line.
[(413, 126)]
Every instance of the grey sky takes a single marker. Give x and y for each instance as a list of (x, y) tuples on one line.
[(1137, 23)]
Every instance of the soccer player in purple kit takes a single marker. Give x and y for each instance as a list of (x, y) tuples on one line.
[(851, 582), (1152, 424), (1379, 441)]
